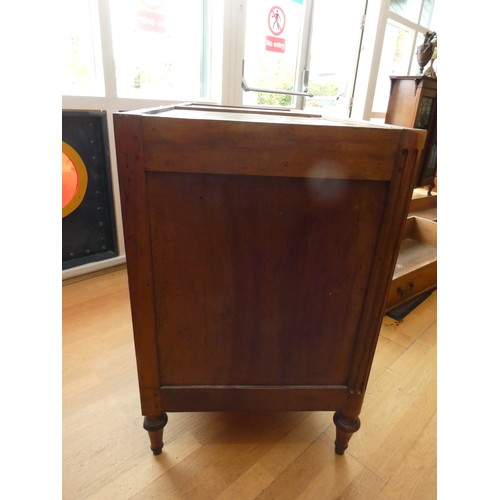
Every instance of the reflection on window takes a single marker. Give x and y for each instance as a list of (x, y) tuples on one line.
[(82, 72), (159, 48)]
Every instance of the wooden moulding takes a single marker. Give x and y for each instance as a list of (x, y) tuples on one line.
[(416, 266)]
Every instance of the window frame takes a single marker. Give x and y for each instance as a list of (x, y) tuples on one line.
[(378, 17)]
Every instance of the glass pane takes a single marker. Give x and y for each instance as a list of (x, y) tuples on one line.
[(82, 72), (160, 48), (409, 9), (334, 51), (395, 60), (424, 113), (426, 18), (272, 50)]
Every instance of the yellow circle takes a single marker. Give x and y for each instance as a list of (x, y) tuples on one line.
[(82, 179)]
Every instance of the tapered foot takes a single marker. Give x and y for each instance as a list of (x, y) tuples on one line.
[(154, 425), (346, 427)]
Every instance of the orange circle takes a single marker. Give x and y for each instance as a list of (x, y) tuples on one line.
[(69, 179), (74, 179)]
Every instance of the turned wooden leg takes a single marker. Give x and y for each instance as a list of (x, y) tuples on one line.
[(154, 425), (346, 427)]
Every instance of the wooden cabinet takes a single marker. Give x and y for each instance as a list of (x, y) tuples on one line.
[(260, 250), (413, 103)]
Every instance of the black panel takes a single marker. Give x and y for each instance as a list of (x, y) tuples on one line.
[(89, 232)]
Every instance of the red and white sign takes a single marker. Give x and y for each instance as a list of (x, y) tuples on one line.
[(275, 44), (151, 21), (276, 20)]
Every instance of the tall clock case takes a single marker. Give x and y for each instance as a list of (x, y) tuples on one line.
[(413, 103)]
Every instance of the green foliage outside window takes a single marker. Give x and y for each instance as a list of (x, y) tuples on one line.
[(329, 89)]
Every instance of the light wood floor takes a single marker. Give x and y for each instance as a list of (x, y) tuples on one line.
[(239, 455)]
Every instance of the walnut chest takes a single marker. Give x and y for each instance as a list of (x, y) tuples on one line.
[(260, 249)]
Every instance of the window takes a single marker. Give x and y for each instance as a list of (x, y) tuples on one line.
[(407, 22), (302, 43), (416, 11), (334, 50), (272, 51), (162, 48), (82, 71), (395, 60)]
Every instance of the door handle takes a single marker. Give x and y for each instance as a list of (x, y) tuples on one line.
[(305, 93)]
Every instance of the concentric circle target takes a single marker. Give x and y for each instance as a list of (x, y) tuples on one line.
[(74, 179)]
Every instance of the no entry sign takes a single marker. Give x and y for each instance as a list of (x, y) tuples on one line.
[(275, 44), (276, 21)]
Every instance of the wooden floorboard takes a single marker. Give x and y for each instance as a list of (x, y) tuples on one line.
[(237, 456)]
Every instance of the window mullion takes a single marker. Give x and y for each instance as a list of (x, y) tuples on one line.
[(405, 22), (107, 49), (233, 51)]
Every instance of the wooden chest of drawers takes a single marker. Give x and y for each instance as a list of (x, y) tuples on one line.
[(260, 250), (416, 267)]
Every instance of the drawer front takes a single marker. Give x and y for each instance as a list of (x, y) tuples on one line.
[(412, 284)]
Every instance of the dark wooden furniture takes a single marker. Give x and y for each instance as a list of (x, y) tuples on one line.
[(413, 103), (260, 250)]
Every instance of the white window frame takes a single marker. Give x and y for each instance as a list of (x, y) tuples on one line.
[(377, 16)]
